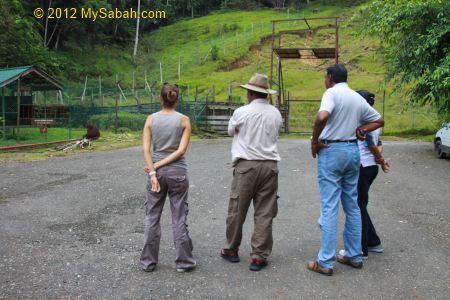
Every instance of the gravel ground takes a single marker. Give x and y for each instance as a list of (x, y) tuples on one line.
[(72, 228)]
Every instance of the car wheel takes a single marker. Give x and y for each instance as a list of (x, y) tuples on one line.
[(438, 149)]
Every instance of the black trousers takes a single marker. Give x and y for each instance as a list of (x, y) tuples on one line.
[(369, 237)]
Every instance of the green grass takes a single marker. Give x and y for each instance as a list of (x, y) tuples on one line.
[(33, 135), (108, 141), (190, 40)]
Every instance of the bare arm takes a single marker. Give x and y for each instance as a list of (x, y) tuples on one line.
[(146, 145), (368, 127), (375, 150), (319, 125), (182, 148), (146, 149)]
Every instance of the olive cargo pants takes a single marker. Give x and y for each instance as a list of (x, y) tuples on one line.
[(257, 181)]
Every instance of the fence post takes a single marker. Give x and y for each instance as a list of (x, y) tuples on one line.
[(230, 94), (116, 123), (179, 67), (70, 117), (133, 86), (196, 94), (286, 113), (18, 111), (100, 97), (84, 90), (3, 114)]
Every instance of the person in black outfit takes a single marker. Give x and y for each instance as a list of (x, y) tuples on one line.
[(371, 155)]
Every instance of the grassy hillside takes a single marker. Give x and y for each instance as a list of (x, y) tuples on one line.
[(241, 41)]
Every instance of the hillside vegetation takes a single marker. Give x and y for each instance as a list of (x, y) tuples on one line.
[(242, 41), (224, 49)]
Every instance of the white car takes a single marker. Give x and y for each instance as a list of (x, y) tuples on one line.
[(442, 141)]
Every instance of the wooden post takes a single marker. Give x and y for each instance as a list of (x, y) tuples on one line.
[(384, 100), (18, 111), (132, 88), (289, 16), (196, 94), (116, 122), (230, 94), (45, 114), (70, 118), (100, 89), (179, 67), (286, 113), (3, 113), (336, 52), (271, 54), (84, 90)]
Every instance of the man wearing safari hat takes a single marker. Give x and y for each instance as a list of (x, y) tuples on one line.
[(254, 128)]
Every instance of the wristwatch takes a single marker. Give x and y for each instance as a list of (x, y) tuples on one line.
[(150, 174), (312, 141)]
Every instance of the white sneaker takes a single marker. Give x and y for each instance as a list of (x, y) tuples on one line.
[(342, 252), (376, 249)]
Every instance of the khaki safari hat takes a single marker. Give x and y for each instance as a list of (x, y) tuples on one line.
[(259, 83)]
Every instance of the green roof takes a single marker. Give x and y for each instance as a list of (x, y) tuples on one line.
[(9, 73), (30, 76)]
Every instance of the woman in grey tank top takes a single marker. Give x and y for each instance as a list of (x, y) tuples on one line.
[(168, 132)]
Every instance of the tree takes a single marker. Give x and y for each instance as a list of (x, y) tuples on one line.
[(416, 46), (136, 40)]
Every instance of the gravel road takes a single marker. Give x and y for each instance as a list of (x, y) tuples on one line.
[(71, 227)]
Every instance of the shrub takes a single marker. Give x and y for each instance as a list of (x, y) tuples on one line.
[(215, 52)]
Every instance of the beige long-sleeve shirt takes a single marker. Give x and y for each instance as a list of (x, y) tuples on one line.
[(255, 128)]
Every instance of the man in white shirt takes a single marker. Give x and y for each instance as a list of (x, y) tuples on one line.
[(343, 116), (255, 129)]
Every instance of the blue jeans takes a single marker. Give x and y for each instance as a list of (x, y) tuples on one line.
[(338, 171)]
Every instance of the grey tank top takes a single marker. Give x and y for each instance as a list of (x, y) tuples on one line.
[(166, 136)]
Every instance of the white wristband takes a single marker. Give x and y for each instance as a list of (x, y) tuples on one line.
[(150, 174)]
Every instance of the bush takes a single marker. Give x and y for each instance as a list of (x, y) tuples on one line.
[(215, 52), (125, 121)]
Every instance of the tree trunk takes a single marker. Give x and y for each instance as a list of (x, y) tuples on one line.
[(57, 40), (46, 24), (136, 40), (53, 33)]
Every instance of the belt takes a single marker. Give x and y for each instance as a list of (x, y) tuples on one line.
[(338, 141)]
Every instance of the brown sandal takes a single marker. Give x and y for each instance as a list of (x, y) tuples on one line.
[(316, 267)]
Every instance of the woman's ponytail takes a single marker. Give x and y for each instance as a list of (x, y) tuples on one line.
[(169, 94)]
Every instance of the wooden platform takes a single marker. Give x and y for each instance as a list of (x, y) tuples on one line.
[(305, 53)]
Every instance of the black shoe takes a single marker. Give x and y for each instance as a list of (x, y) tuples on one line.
[(150, 269), (230, 255), (257, 264), (188, 269)]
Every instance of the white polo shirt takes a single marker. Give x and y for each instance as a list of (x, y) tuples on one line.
[(255, 128), (348, 110), (367, 158)]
